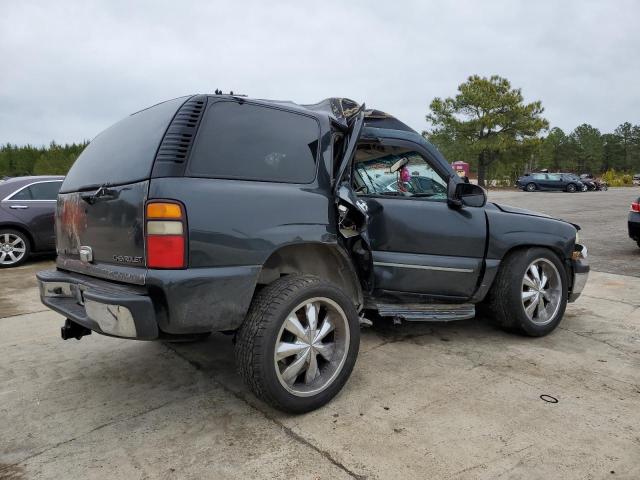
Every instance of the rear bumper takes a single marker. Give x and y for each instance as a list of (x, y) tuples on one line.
[(170, 304), (580, 268), (101, 306)]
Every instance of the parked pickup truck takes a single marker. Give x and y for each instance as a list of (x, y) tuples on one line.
[(289, 225)]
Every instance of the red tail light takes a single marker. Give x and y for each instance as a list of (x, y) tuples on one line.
[(166, 234), (635, 206)]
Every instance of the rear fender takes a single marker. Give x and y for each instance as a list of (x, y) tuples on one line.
[(327, 261)]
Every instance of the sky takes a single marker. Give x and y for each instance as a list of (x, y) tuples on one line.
[(70, 69)]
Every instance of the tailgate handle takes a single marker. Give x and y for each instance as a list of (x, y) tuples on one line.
[(18, 207)]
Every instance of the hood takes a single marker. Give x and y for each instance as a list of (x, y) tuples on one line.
[(524, 211), (521, 211)]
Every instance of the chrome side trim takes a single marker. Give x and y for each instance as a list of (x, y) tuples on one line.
[(423, 267), (15, 192)]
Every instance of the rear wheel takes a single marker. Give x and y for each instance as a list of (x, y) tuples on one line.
[(529, 294), (531, 187), (14, 248), (298, 344), (571, 188)]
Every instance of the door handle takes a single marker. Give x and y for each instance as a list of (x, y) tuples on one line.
[(18, 207)]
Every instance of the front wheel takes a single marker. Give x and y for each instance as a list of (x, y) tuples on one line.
[(531, 187), (571, 188), (529, 294), (298, 344)]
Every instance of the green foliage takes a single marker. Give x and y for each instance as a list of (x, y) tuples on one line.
[(28, 160), (616, 179), (488, 125), (486, 120)]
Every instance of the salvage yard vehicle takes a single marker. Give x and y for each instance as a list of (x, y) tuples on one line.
[(27, 209), (565, 182), (633, 223), (594, 184), (274, 222)]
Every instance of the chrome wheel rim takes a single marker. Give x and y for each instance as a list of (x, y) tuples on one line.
[(311, 346), (541, 291), (12, 248)]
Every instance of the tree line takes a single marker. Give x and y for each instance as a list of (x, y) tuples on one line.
[(488, 125), (53, 159)]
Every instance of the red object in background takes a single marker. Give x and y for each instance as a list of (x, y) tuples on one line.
[(461, 168), (635, 207)]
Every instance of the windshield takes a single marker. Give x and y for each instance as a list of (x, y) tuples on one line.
[(396, 171)]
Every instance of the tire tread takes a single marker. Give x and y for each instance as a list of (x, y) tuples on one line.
[(252, 334)]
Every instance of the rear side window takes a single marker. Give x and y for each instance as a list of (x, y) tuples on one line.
[(39, 191), (252, 142)]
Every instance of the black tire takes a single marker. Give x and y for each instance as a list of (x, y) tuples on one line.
[(571, 188), (604, 188), (504, 302), (531, 187), (258, 336), (5, 259)]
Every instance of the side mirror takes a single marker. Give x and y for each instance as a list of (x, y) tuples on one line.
[(466, 194)]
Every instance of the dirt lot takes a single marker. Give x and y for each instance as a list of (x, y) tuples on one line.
[(459, 400)]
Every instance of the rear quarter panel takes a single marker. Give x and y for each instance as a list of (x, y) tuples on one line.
[(233, 222), (233, 227)]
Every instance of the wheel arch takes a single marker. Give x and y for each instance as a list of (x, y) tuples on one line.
[(487, 284), (21, 229), (327, 261)]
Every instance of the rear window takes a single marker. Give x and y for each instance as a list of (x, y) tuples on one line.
[(253, 142), (124, 152)]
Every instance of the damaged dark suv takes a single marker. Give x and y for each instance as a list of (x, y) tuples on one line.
[(287, 226)]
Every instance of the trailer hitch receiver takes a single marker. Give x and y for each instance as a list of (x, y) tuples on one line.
[(73, 330)]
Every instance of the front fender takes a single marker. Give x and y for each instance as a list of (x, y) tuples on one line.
[(511, 230)]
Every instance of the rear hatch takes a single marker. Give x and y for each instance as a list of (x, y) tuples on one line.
[(100, 209)]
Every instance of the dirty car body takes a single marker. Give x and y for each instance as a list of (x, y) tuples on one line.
[(177, 221)]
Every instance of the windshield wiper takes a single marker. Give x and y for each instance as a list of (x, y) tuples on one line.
[(395, 194), (103, 191)]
